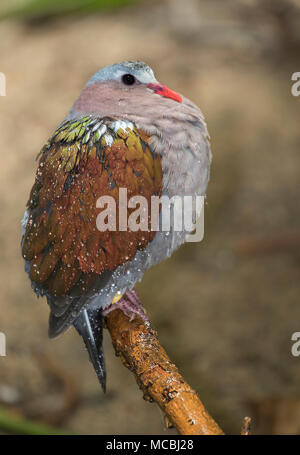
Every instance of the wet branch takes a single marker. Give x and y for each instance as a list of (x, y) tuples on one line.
[(137, 344)]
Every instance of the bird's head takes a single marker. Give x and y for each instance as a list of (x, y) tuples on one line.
[(124, 88), (128, 76), (129, 91)]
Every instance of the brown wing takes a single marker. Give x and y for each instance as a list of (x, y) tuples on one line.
[(85, 159)]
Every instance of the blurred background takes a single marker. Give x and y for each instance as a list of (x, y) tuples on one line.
[(225, 308)]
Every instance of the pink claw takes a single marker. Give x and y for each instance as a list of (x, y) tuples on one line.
[(130, 305)]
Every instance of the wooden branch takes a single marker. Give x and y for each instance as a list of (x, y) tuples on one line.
[(138, 346), (246, 430)]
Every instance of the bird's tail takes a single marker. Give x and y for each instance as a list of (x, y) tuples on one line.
[(89, 325)]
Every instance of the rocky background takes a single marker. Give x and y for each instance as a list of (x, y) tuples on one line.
[(225, 308)]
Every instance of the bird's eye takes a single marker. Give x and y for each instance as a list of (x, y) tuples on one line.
[(128, 79)]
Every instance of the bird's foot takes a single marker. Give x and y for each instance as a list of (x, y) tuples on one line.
[(130, 304)]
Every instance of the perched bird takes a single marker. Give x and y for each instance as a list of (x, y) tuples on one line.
[(126, 130)]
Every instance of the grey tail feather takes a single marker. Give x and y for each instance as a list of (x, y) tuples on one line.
[(89, 325)]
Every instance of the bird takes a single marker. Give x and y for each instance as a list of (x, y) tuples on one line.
[(125, 130)]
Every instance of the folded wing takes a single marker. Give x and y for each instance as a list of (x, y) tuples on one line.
[(66, 255)]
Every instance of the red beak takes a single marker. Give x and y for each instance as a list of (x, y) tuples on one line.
[(162, 90)]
